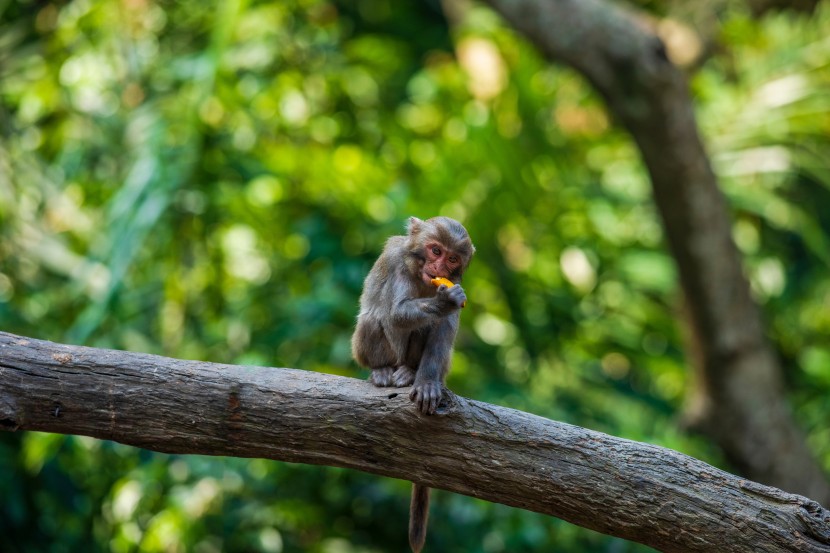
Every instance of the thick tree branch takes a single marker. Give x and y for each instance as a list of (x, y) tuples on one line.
[(637, 491), (740, 401)]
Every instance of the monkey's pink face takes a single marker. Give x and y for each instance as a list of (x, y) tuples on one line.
[(440, 262)]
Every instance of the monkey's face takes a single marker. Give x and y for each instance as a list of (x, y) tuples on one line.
[(438, 247), (440, 261)]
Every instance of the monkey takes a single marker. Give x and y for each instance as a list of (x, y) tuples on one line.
[(406, 326)]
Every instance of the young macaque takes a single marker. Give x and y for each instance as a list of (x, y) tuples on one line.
[(406, 326)]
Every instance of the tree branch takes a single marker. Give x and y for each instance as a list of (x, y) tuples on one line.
[(739, 399), (637, 491)]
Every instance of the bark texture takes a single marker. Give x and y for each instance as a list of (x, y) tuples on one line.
[(637, 491), (740, 399)]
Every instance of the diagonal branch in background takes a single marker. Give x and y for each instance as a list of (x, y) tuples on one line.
[(636, 491), (739, 399)]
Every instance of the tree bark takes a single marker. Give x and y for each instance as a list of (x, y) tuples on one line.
[(739, 399), (636, 491)]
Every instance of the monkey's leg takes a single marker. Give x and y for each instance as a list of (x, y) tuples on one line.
[(372, 349), (405, 374)]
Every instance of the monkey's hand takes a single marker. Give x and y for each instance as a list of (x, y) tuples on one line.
[(426, 396), (451, 299)]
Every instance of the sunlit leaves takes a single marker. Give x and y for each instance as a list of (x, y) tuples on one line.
[(213, 181)]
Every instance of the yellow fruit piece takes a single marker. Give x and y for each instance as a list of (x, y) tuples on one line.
[(438, 281)]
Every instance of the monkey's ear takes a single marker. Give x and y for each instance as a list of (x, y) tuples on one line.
[(413, 226)]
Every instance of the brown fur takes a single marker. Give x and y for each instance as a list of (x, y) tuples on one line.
[(406, 326), (418, 517)]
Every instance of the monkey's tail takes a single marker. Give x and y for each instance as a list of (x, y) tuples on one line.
[(418, 516)]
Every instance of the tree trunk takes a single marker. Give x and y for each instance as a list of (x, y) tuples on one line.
[(739, 399), (636, 491)]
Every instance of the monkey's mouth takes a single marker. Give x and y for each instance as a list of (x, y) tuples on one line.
[(427, 277)]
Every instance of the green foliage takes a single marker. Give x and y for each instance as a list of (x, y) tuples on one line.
[(213, 182)]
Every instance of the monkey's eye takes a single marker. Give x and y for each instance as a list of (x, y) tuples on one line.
[(453, 259), (436, 250)]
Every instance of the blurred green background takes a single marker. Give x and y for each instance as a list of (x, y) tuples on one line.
[(213, 181)]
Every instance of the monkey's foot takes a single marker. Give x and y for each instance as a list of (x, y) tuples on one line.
[(403, 376), (382, 377), (426, 396)]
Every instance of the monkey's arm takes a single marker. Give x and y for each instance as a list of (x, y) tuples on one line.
[(410, 312), (435, 363)]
